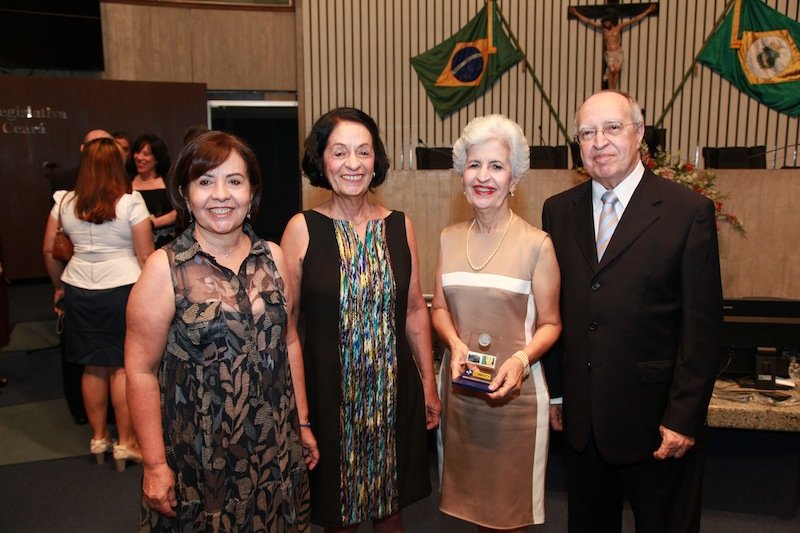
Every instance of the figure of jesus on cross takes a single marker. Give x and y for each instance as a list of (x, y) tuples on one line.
[(612, 29)]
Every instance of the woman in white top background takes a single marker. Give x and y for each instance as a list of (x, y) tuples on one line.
[(110, 229)]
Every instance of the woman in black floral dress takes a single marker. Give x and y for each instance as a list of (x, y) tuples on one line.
[(215, 373)]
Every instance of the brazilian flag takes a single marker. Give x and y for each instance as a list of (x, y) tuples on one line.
[(756, 49), (462, 68)]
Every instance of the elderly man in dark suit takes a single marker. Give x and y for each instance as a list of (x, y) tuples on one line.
[(641, 304)]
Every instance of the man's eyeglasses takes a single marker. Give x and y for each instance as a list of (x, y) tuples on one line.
[(610, 129)]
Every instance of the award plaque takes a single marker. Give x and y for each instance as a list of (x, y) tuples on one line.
[(474, 379), (480, 367)]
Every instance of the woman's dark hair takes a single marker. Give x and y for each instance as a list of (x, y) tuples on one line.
[(101, 181), (193, 131), (314, 149), (203, 153), (158, 149)]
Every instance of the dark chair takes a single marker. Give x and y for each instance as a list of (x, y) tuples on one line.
[(655, 138), (434, 157), (549, 157), (575, 152), (735, 157)]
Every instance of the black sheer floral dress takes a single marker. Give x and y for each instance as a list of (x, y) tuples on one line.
[(228, 408)]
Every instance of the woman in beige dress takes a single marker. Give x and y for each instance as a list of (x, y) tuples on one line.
[(497, 286)]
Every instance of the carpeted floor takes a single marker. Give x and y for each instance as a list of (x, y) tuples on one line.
[(32, 376), (39, 431), (33, 336)]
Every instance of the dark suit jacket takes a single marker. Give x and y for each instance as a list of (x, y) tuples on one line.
[(641, 330)]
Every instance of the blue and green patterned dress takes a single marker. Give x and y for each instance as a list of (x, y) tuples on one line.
[(365, 394), (228, 406)]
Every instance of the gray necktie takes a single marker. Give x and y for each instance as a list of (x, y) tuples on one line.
[(608, 222)]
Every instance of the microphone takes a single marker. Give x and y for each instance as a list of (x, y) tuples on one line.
[(749, 154), (774, 152), (779, 148), (446, 150), (49, 165)]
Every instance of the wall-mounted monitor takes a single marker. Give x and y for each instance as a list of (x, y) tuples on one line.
[(51, 34)]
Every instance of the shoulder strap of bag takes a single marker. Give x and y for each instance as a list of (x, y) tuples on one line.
[(60, 227)]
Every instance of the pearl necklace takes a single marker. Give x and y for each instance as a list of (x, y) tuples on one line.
[(496, 248)]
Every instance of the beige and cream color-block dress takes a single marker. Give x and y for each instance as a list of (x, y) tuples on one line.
[(494, 452)]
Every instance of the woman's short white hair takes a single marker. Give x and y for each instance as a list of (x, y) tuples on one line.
[(482, 129)]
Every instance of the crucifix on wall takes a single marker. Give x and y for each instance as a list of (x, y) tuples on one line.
[(609, 15)]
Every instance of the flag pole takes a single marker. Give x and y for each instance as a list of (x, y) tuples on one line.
[(536, 81), (490, 28), (693, 65)]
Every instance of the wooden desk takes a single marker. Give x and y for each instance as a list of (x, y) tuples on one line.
[(754, 414)]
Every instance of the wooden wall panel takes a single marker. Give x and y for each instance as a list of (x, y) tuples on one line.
[(566, 57), (228, 49), (244, 50), (765, 263), (63, 110), (147, 43)]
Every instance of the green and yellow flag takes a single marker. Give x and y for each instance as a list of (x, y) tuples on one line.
[(462, 68), (756, 49)]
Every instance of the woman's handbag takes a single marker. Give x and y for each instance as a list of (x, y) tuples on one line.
[(62, 245)]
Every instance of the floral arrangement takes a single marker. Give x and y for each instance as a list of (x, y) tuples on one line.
[(685, 173)]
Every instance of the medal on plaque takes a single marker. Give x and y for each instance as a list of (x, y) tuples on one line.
[(481, 366)]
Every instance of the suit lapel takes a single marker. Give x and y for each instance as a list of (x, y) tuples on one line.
[(639, 214), (580, 216)]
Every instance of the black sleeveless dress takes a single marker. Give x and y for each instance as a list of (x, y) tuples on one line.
[(365, 395), (157, 202)]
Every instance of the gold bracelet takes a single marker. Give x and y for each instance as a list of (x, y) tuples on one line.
[(522, 357)]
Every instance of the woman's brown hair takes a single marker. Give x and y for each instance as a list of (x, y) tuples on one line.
[(102, 180), (202, 154)]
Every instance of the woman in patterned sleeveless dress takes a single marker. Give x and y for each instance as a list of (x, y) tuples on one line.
[(367, 347), (215, 372), (497, 287)]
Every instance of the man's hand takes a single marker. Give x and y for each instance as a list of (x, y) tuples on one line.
[(673, 444), (555, 417)]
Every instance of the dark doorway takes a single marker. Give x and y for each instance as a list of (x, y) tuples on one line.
[(271, 131)]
